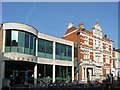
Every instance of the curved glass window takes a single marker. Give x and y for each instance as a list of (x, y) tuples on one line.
[(19, 41)]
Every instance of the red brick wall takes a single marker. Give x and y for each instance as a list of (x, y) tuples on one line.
[(110, 70), (90, 41), (109, 47), (80, 73), (110, 60), (104, 46), (104, 72), (72, 36), (91, 55), (103, 58)]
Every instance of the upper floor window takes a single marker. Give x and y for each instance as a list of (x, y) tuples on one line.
[(107, 47), (95, 43), (19, 41), (63, 52), (97, 57), (107, 59), (86, 54), (86, 40), (45, 48)]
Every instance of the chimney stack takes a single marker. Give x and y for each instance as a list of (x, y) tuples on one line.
[(81, 25), (105, 36), (70, 25), (113, 49)]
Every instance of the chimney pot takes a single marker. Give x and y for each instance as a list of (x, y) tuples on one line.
[(113, 49), (81, 25), (105, 36), (70, 25)]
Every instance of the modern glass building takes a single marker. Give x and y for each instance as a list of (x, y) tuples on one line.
[(26, 52)]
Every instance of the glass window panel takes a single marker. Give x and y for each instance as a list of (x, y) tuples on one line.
[(49, 56), (41, 45), (21, 41), (70, 51), (14, 38), (7, 48), (49, 47), (27, 50), (62, 50), (34, 45), (26, 40), (8, 38), (31, 41), (67, 51), (27, 43), (13, 49), (58, 49), (8, 41), (14, 41)]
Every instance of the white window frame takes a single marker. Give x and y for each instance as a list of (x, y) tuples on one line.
[(107, 60), (107, 47), (86, 40)]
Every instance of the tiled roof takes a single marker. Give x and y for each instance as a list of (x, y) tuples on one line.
[(70, 30)]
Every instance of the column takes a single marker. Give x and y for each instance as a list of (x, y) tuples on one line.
[(35, 68), (4, 34), (82, 73), (53, 73), (72, 73), (36, 46), (67, 72), (86, 74), (2, 72), (53, 50), (35, 74), (73, 62)]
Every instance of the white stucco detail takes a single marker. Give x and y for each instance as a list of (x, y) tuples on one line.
[(20, 26)]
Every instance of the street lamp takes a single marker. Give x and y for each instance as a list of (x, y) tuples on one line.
[(78, 49)]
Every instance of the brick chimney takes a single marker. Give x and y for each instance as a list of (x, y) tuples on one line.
[(105, 36), (70, 25), (81, 25), (113, 49)]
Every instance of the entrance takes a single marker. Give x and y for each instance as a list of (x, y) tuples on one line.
[(19, 76), (89, 74), (18, 70)]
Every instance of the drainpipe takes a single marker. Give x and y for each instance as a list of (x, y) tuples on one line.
[(78, 49)]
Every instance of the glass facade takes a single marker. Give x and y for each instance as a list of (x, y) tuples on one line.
[(45, 72), (18, 70), (63, 52), (24, 42), (19, 41), (45, 48), (63, 73)]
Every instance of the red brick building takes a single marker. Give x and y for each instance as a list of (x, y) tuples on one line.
[(95, 51)]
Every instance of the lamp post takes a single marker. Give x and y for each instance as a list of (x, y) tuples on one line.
[(78, 49)]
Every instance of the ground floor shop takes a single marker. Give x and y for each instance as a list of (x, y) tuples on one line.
[(21, 72)]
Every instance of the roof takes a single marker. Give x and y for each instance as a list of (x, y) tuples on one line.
[(70, 30), (97, 26)]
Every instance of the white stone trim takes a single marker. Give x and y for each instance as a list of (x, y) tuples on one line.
[(70, 33), (4, 34)]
